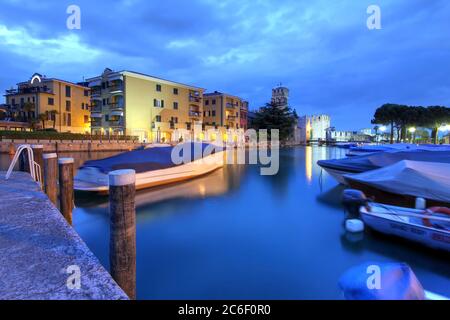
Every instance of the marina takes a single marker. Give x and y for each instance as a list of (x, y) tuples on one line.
[(195, 240)]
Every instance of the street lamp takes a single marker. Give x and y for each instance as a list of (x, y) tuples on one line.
[(412, 131)]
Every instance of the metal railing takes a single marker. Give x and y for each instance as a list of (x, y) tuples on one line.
[(35, 168)]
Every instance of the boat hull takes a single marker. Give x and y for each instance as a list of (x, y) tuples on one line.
[(92, 180), (382, 196), (338, 175), (394, 225)]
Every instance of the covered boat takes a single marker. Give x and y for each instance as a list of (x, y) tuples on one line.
[(154, 166), (384, 281), (404, 181), (370, 149), (337, 168), (428, 227)]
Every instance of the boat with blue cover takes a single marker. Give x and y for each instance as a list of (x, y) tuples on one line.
[(154, 166)]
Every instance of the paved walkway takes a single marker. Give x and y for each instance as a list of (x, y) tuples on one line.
[(37, 246)]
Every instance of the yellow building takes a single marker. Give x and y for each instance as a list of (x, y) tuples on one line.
[(224, 110), (140, 105), (50, 103)]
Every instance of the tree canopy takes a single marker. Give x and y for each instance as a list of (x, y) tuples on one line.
[(400, 117), (272, 116)]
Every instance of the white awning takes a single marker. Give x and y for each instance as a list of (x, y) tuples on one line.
[(117, 113), (96, 115)]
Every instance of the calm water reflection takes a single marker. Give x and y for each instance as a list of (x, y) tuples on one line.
[(237, 235)]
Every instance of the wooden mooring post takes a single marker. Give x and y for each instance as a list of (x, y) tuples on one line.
[(38, 152), (50, 174), (66, 187), (122, 192)]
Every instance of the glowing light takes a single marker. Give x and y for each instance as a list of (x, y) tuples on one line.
[(383, 128), (445, 128), (308, 163), (412, 130)]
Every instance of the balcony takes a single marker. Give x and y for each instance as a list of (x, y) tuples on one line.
[(96, 92), (194, 114), (27, 90), (116, 89), (231, 106), (116, 106), (116, 123)]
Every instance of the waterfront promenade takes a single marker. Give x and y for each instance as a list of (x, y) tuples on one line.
[(37, 246)]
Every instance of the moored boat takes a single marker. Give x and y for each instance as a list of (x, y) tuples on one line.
[(403, 182), (371, 149), (154, 166), (337, 168), (423, 226)]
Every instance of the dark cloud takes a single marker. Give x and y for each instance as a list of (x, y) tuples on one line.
[(322, 50)]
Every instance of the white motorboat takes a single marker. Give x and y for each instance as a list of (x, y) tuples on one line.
[(153, 166), (430, 229)]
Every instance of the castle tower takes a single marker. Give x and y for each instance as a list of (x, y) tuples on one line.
[(280, 96)]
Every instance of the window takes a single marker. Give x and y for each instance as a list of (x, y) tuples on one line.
[(204, 113), (51, 101), (213, 101), (104, 102), (13, 101), (86, 119), (188, 126), (175, 91), (69, 119), (214, 113), (82, 106), (68, 105), (64, 119), (22, 100), (155, 103), (68, 89), (86, 93), (158, 87), (175, 105), (162, 104), (158, 118), (206, 102), (107, 117)]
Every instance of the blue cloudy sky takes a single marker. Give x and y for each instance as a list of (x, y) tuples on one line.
[(322, 50)]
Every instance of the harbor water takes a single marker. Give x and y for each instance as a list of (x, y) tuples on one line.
[(235, 234)]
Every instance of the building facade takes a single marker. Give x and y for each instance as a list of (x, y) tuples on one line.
[(224, 110), (50, 103), (313, 128), (140, 105)]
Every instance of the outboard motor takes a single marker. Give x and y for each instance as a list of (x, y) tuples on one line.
[(352, 200)]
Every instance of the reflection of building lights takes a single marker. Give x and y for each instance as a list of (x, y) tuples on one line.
[(202, 190), (308, 163), (412, 130)]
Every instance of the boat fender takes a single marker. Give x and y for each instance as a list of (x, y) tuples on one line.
[(441, 210), (353, 200), (354, 225)]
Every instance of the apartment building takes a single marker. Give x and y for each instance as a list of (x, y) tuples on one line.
[(224, 110), (50, 103), (141, 105)]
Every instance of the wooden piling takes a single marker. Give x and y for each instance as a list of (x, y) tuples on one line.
[(122, 191), (38, 151), (11, 149), (66, 187), (50, 175)]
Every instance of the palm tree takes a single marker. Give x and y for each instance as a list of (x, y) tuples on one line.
[(28, 107), (53, 114), (43, 117)]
